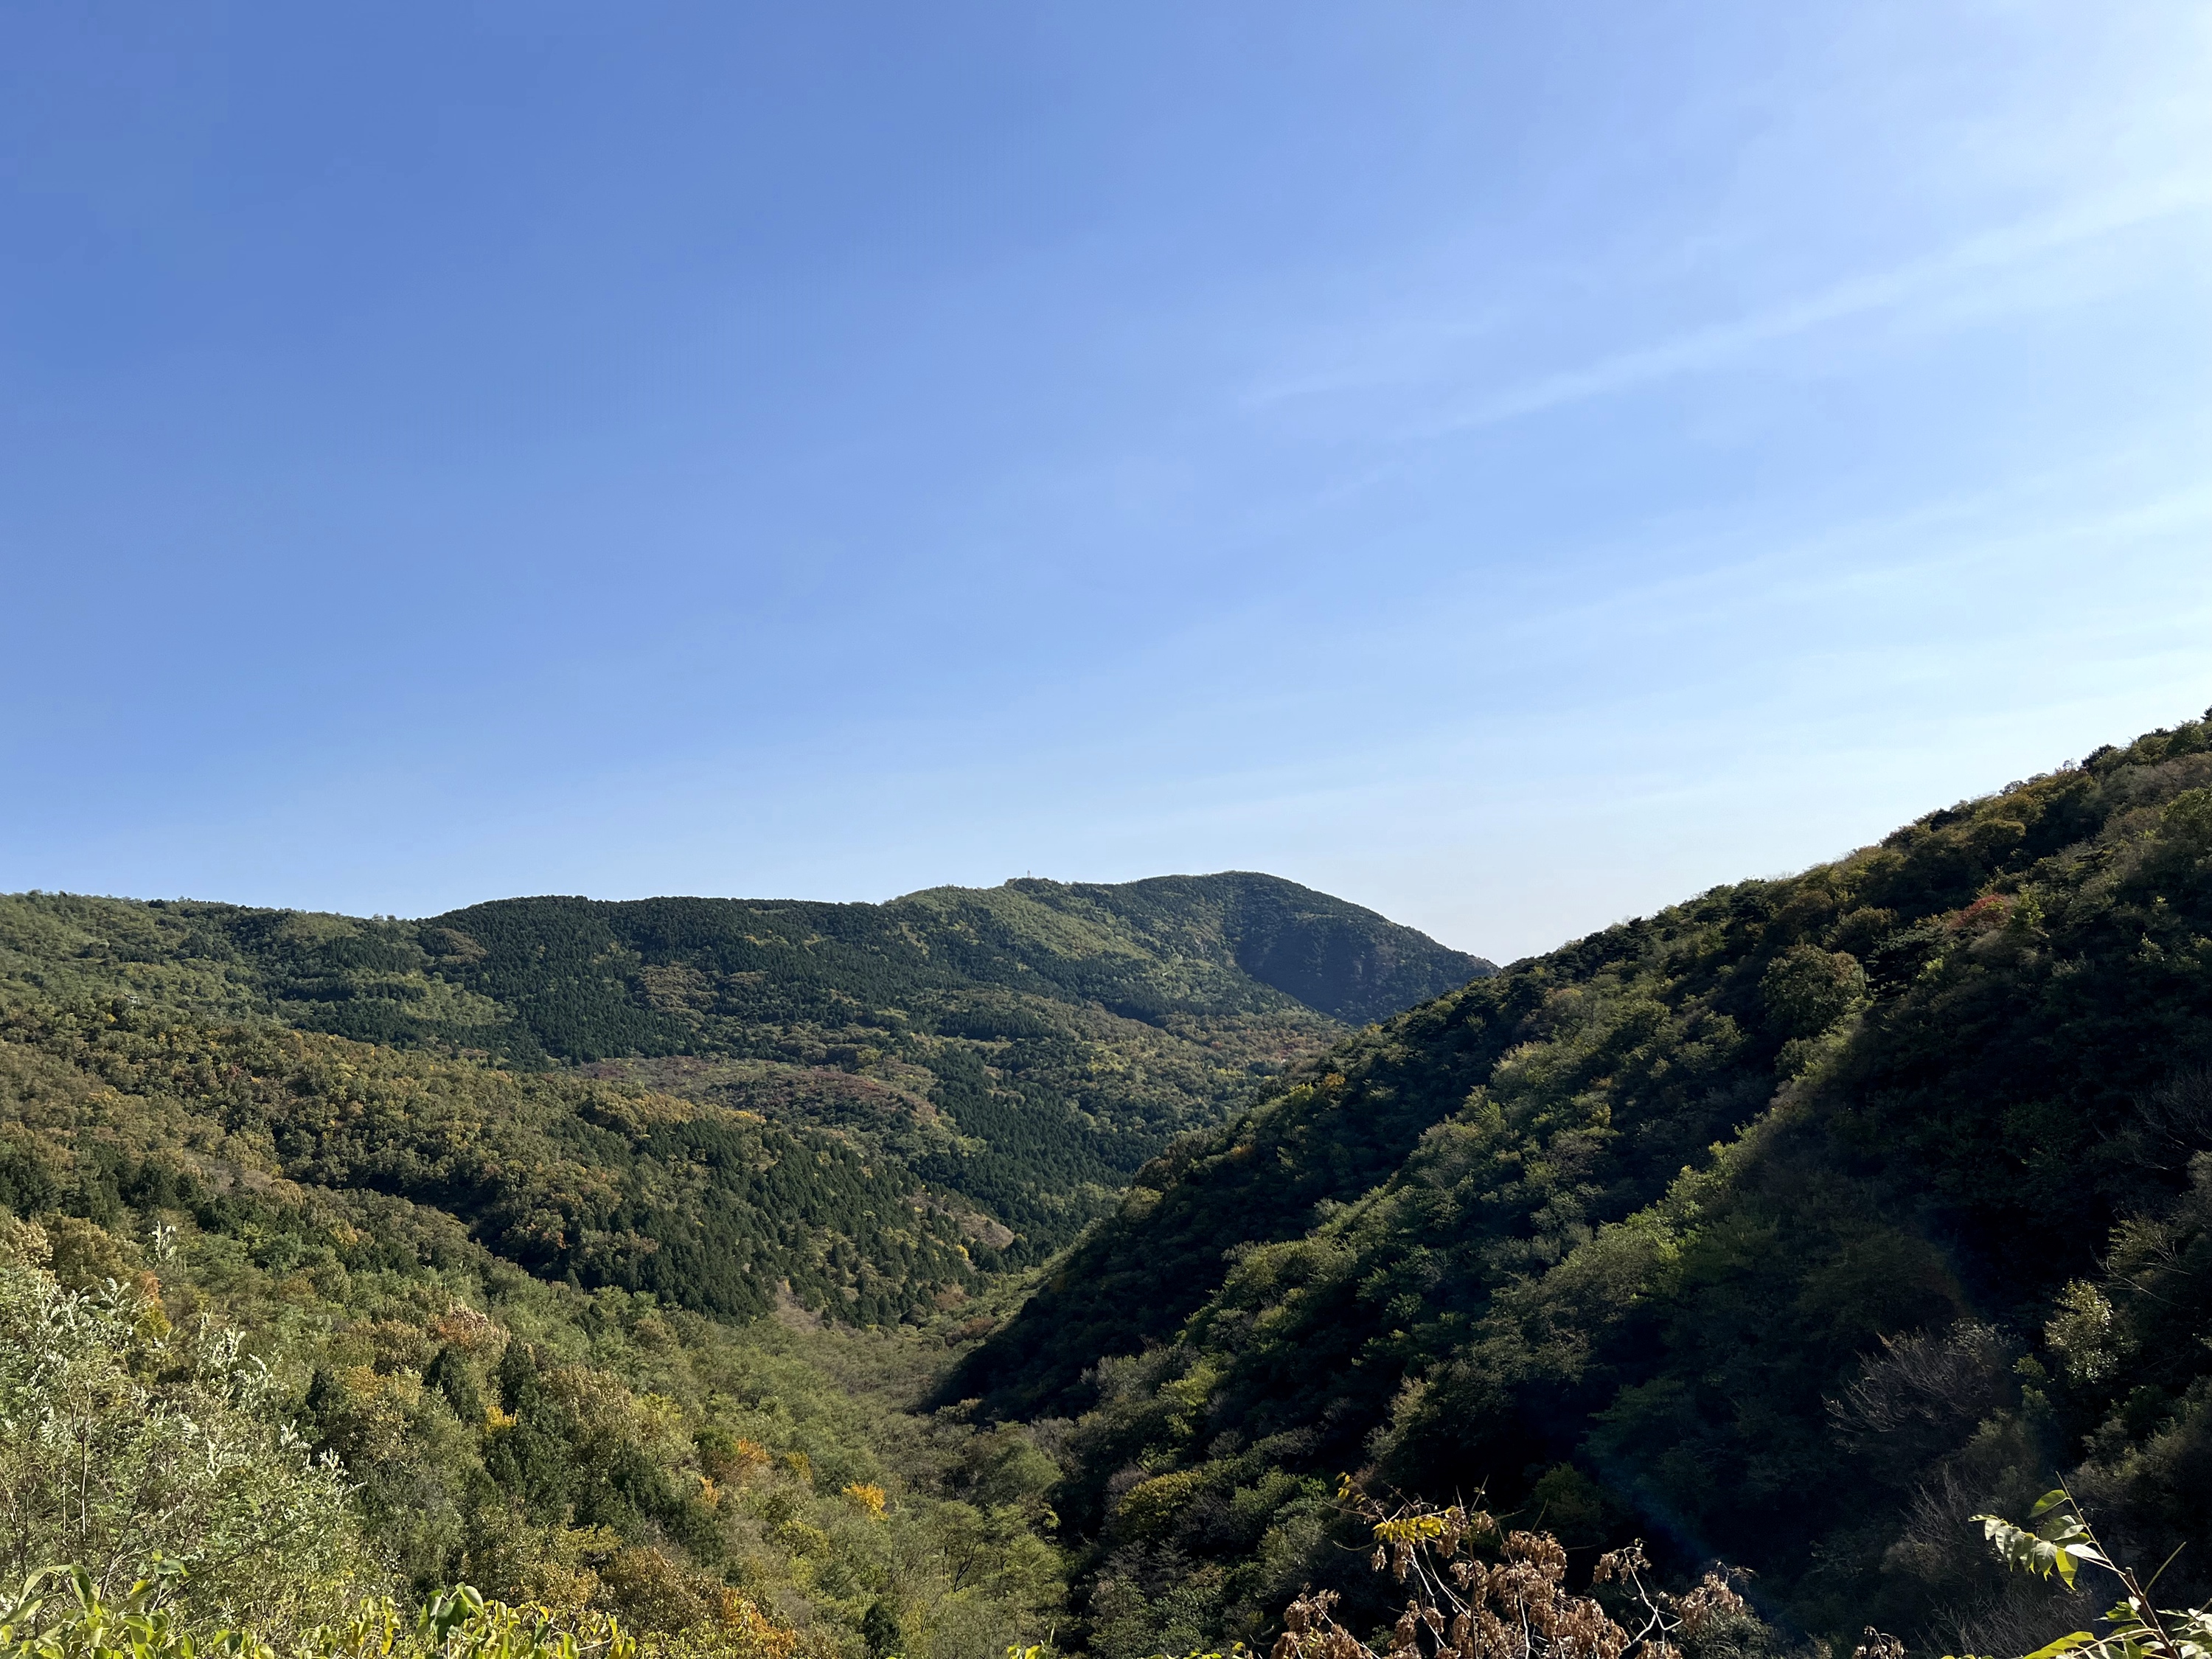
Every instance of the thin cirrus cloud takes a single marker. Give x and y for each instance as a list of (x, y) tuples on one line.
[(2002, 252)]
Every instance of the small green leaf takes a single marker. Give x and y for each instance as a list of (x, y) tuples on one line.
[(2050, 1500), (2063, 1645)]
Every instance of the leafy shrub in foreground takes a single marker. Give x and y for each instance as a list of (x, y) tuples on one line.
[(1461, 1606), (127, 1441), (2059, 1539), (61, 1614)]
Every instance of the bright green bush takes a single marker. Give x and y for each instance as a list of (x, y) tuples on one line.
[(2058, 1541), (61, 1614), (123, 1441)]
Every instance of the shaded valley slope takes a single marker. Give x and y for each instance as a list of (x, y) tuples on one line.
[(1793, 1224)]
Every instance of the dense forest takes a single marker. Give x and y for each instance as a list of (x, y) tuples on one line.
[(596, 1255), (305, 1395), (1021, 1048), (1087, 1266), (1794, 1224)]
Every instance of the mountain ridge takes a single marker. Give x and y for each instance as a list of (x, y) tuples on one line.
[(1793, 1224), (1025, 1046)]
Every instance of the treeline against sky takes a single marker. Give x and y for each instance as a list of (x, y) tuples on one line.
[(1028, 1046), (1794, 1224)]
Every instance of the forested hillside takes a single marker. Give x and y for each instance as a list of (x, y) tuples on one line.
[(1023, 1047), (179, 1357), (1795, 1224), (594, 1254), (597, 1184)]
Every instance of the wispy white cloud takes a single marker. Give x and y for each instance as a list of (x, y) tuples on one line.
[(1700, 349), (1409, 353)]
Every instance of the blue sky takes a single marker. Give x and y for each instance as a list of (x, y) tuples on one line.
[(1513, 464)]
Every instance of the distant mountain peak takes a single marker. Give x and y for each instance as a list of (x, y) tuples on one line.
[(1337, 958)]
